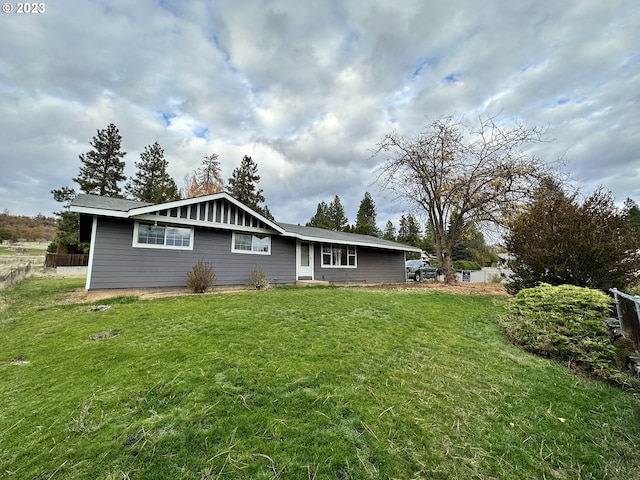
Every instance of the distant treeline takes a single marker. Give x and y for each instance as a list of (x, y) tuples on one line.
[(30, 229)]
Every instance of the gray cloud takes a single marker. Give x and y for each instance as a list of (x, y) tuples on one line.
[(308, 88)]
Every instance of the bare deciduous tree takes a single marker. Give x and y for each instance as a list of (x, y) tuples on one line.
[(456, 175), (205, 180)]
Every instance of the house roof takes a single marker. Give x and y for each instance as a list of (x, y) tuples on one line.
[(86, 201), (332, 236), (121, 208)]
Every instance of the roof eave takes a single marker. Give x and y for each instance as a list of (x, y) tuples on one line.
[(310, 238), (98, 211)]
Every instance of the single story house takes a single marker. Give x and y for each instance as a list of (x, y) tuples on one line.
[(142, 245)]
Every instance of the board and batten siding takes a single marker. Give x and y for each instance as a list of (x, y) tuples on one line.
[(374, 266), (117, 264)]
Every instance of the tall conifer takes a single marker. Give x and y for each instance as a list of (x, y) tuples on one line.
[(103, 168), (152, 183)]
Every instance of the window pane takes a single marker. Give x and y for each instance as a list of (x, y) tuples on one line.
[(343, 256), (178, 237), (304, 254), (326, 255), (260, 244), (336, 255), (242, 242), (352, 255), (149, 234)]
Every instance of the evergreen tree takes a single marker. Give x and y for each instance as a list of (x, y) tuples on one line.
[(631, 212), (103, 167), (243, 183), (409, 232), (67, 238), (336, 215), (366, 217), (321, 218), (266, 213), (243, 186), (473, 247), (152, 183), (389, 231), (460, 250), (557, 240), (205, 180), (427, 243)]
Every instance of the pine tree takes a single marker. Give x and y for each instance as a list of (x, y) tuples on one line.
[(409, 232), (68, 229), (366, 217), (321, 218), (243, 186), (336, 215), (389, 231), (102, 168), (205, 180), (152, 183), (631, 212)]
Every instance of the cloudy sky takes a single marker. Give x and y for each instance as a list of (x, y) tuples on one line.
[(307, 88)]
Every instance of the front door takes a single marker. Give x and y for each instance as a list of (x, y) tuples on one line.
[(304, 254)]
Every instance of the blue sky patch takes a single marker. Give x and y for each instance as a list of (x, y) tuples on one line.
[(452, 78)]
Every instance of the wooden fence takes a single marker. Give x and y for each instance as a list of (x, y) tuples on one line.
[(53, 260)]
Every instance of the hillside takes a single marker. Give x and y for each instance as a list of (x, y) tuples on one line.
[(31, 229)]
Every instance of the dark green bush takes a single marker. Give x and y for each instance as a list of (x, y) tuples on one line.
[(466, 265), (6, 234), (566, 323)]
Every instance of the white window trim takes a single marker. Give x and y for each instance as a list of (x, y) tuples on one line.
[(135, 243), (339, 246), (248, 252)]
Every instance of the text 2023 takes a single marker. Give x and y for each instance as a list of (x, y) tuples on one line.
[(30, 7)]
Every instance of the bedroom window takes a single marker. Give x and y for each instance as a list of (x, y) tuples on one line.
[(339, 256), (251, 243), (151, 235)]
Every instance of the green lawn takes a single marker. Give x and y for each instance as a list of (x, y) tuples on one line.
[(316, 383)]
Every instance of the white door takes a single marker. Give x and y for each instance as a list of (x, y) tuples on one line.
[(304, 254)]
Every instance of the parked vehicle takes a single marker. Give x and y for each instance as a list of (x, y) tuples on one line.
[(418, 270)]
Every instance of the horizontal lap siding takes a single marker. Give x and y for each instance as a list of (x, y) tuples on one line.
[(374, 266), (116, 264)]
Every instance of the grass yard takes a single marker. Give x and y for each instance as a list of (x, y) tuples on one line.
[(17, 255), (293, 383)]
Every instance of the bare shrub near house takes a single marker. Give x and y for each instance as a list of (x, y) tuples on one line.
[(201, 277), (258, 279)]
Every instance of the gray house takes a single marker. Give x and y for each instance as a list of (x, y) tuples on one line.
[(142, 245)]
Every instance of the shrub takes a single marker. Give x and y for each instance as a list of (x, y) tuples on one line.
[(201, 277), (466, 265), (6, 234), (258, 279), (566, 323)]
